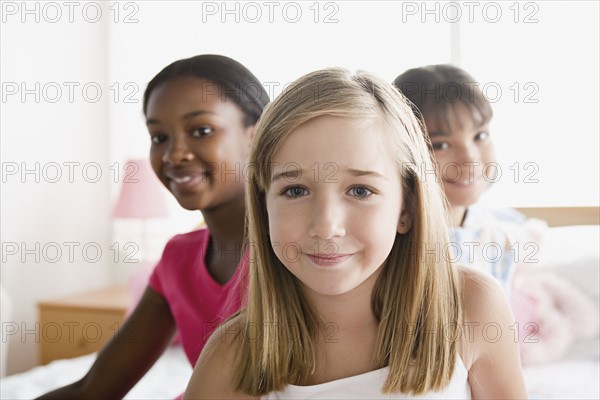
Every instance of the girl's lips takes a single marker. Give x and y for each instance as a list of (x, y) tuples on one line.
[(464, 182), (328, 260), (185, 183)]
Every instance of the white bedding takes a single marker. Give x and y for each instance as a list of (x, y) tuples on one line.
[(576, 379), (166, 379), (573, 252)]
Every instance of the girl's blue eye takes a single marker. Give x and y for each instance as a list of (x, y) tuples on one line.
[(201, 132), (360, 192), (158, 138), (439, 146), (482, 136), (294, 192)]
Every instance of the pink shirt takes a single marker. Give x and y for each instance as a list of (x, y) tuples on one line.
[(198, 303)]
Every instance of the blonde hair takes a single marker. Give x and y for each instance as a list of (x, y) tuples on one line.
[(413, 296)]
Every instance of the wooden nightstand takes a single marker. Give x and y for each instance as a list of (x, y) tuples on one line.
[(80, 324)]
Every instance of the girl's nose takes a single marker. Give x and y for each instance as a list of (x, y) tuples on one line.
[(327, 219), (468, 159), (468, 153), (177, 151)]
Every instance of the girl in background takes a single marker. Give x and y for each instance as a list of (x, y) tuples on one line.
[(551, 313), (457, 120), (346, 298), (200, 114)]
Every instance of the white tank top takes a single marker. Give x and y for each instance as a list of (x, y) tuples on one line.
[(369, 385)]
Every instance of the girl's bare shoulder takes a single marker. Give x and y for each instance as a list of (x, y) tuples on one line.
[(225, 340), (214, 372), (482, 294), (489, 347), (487, 318)]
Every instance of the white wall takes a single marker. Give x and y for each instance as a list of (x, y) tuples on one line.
[(550, 125), (560, 133), (36, 212)]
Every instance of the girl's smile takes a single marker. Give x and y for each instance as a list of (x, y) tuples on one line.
[(469, 183), (185, 180), (327, 259)]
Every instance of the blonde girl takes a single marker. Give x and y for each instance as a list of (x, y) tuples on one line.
[(351, 292)]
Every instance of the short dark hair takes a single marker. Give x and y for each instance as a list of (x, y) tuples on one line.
[(233, 80), (434, 90)]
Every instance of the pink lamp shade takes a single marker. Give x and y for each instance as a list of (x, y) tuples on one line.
[(141, 195)]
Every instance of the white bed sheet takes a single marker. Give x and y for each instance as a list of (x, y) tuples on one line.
[(166, 379), (577, 379)]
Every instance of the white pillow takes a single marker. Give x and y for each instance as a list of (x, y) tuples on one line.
[(573, 252)]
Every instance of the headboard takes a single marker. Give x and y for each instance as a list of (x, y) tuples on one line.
[(562, 216)]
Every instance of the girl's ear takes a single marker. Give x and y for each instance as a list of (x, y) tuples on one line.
[(248, 137), (250, 132), (405, 222)]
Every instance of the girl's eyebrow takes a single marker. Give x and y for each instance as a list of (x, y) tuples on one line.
[(438, 133), (290, 173), (297, 173), (189, 115), (193, 114), (447, 134), (358, 172)]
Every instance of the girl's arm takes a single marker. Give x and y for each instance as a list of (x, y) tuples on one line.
[(128, 355), (214, 371), (492, 351)]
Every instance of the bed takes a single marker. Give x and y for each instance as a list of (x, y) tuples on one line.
[(571, 251)]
